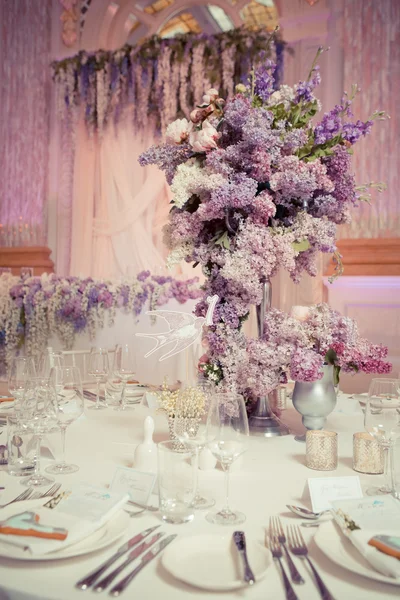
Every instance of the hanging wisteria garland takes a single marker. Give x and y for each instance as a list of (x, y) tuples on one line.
[(161, 78), (34, 308)]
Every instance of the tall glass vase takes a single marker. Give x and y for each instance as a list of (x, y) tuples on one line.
[(263, 422)]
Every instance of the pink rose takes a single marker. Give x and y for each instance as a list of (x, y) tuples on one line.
[(178, 131), (205, 139)]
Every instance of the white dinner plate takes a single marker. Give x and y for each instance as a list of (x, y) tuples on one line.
[(101, 538), (341, 551), (212, 562)]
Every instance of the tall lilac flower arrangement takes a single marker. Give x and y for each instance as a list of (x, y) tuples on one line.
[(257, 187)]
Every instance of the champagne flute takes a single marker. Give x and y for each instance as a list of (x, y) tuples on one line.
[(382, 421), (230, 442), (98, 368), (125, 368), (195, 424), (39, 416), (22, 369), (69, 407)]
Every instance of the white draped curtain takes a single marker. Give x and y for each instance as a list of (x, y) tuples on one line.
[(118, 207)]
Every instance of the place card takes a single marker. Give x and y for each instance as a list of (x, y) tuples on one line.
[(91, 503), (138, 484), (151, 400), (325, 490)]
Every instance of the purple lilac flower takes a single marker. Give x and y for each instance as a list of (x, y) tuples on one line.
[(167, 157), (264, 80), (330, 126), (351, 132), (143, 275), (304, 90)]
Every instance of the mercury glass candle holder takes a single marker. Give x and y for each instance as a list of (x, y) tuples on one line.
[(367, 454), (321, 450)]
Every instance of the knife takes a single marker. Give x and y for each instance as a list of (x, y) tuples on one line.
[(119, 588), (86, 582), (99, 587), (240, 542)]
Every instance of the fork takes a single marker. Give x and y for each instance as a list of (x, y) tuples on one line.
[(299, 548), (50, 492), (276, 529), (22, 496), (274, 545)]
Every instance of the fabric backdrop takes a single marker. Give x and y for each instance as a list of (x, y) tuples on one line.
[(24, 110)]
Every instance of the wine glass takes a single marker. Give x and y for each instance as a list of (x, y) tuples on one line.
[(48, 360), (125, 368), (22, 369), (230, 442), (69, 407), (38, 415), (195, 424), (98, 368), (382, 421)]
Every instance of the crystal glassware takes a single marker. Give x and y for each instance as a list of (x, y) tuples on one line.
[(21, 447), (22, 369), (382, 421), (196, 424), (124, 367), (230, 442), (38, 415), (69, 407), (47, 361), (176, 482), (98, 368)]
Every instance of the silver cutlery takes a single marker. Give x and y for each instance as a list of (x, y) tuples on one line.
[(276, 530), (304, 513), (144, 506), (273, 544), (105, 582), (89, 580), (298, 546), (119, 588), (240, 542), (50, 492), (25, 495)]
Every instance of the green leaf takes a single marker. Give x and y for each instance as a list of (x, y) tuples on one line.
[(223, 241), (301, 246), (331, 357)]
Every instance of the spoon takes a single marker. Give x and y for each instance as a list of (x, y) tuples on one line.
[(304, 513)]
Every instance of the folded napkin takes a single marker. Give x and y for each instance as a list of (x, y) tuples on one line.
[(373, 526), (6, 399), (40, 530)]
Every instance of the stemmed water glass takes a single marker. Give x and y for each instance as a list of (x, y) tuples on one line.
[(22, 369), (69, 407), (98, 368), (38, 415), (124, 368), (48, 360), (382, 421), (196, 424), (230, 442)]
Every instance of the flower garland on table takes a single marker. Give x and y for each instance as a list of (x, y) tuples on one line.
[(258, 187), (160, 78), (34, 308)]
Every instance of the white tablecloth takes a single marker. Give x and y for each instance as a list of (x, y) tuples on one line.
[(273, 474)]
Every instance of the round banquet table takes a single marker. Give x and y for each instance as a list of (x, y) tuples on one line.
[(272, 474)]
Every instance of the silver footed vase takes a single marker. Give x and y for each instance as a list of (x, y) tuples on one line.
[(262, 421), (315, 400)]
